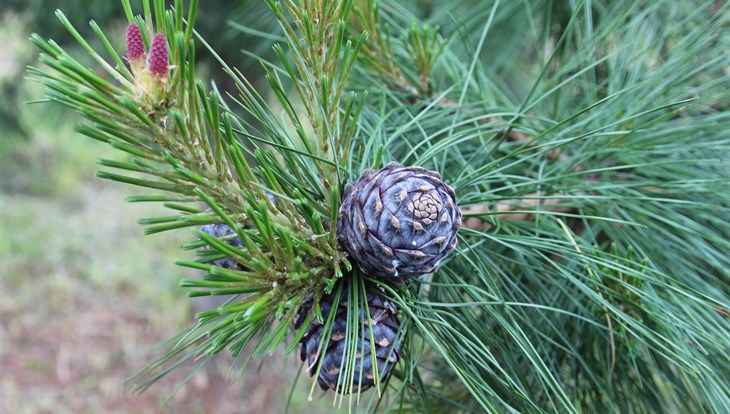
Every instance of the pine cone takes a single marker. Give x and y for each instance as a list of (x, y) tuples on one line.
[(224, 232), (135, 49), (398, 222), (159, 56), (384, 325), (135, 44)]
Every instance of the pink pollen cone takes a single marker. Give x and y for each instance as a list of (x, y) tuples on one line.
[(135, 45), (158, 56)]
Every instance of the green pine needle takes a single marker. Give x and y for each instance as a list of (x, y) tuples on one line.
[(587, 145)]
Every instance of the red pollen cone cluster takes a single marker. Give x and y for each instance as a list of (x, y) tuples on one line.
[(156, 62), (135, 45), (158, 56)]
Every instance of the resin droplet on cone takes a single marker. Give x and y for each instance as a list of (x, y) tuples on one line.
[(398, 222)]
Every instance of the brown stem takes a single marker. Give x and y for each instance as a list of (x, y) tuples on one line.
[(514, 209)]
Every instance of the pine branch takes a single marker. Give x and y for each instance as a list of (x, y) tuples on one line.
[(588, 151), (595, 180), (186, 141)]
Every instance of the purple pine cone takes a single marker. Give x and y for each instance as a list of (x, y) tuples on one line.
[(135, 45), (159, 56), (384, 324), (227, 234), (398, 222)]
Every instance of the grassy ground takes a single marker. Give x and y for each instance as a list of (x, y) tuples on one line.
[(85, 297)]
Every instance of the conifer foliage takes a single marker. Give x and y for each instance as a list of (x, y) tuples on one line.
[(489, 206)]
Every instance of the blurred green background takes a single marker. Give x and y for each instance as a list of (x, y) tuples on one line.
[(84, 296)]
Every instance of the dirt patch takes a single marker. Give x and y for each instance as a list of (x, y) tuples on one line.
[(85, 299)]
